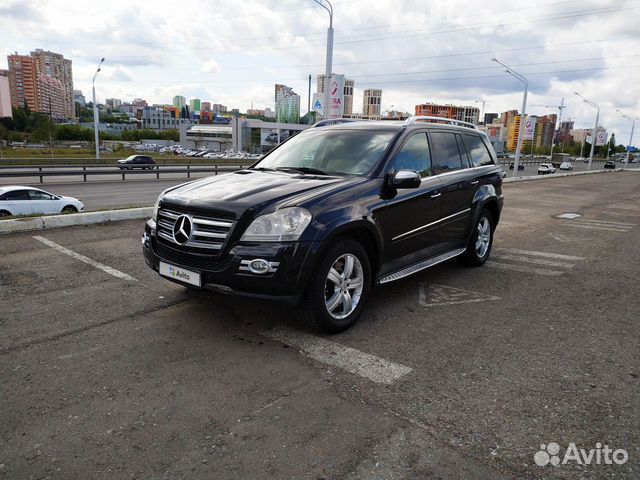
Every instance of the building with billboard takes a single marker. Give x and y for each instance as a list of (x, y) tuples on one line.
[(287, 104), (347, 98)]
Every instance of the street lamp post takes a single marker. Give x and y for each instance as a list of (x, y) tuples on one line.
[(511, 72), (326, 4), (560, 108), (595, 128), (95, 111), (481, 119), (633, 126)]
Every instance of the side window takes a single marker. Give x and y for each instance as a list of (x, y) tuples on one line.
[(446, 155), (414, 155), (17, 195), (478, 152), (37, 195)]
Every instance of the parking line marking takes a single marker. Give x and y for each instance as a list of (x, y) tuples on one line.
[(608, 223), (434, 295), (524, 269), (87, 260), (541, 254), (364, 364), (536, 261), (596, 227)]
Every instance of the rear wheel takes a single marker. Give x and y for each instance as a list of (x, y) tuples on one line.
[(339, 288), (481, 241), (4, 213)]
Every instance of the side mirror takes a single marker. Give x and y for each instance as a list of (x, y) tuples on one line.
[(406, 179)]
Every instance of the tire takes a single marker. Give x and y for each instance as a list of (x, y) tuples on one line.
[(69, 209), (4, 213), (324, 288), (478, 252)]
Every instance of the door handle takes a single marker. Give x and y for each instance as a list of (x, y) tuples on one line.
[(475, 182), (436, 195)]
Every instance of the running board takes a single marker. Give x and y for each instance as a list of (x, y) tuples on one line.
[(416, 267)]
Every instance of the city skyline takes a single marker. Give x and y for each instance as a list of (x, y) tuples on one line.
[(418, 53)]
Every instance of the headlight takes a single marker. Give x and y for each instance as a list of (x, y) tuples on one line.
[(282, 226)]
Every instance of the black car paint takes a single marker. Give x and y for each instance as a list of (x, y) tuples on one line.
[(368, 208)]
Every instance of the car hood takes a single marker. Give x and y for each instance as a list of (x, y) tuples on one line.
[(70, 199), (249, 189)]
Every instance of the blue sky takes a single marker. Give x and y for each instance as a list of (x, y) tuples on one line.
[(232, 52)]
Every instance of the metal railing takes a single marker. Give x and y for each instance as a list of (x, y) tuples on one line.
[(42, 171)]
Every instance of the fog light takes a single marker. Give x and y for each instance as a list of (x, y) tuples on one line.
[(258, 266)]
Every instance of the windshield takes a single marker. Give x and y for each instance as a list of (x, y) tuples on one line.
[(349, 152)]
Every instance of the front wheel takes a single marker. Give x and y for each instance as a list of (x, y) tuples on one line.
[(481, 241), (339, 288), (69, 209)]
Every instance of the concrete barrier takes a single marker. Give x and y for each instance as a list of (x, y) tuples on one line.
[(556, 175), (86, 218)]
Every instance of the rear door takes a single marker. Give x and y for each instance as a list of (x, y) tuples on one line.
[(452, 167), (17, 202)]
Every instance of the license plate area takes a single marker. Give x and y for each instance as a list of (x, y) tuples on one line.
[(180, 274)]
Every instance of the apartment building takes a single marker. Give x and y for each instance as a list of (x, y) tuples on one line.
[(371, 102), (455, 112)]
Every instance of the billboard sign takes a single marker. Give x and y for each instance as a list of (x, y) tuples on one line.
[(336, 98), (601, 138), (318, 103), (529, 128)]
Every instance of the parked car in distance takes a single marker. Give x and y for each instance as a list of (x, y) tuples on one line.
[(609, 164), (546, 168), (21, 200), (137, 161), (520, 166), (330, 213), (566, 166)]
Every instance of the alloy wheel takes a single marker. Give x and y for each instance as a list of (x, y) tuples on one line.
[(344, 286)]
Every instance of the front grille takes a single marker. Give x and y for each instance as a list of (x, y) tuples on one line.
[(200, 262), (205, 235), (200, 212)]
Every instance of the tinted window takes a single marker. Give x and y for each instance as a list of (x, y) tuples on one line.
[(445, 152), (17, 195), (37, 195), (478, 152), (354, 152), (414, 155)]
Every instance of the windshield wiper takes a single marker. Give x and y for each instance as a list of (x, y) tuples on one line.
[(310, 170)]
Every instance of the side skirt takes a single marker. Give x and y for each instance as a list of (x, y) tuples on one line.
[(416, 267)]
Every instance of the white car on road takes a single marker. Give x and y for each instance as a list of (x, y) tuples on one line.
[(566, 166), (19, 200), (546, 168)]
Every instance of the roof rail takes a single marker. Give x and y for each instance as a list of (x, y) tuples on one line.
[(334, 121), (451, 121)]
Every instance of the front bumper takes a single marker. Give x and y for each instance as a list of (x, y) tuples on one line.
[(228, 273)]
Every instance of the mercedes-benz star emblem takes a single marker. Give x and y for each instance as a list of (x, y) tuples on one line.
[(182, 229)]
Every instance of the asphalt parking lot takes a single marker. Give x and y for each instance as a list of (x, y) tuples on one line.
[(108, 371)]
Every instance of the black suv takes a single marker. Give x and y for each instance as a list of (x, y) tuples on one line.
[(137, 161), (332, 212)]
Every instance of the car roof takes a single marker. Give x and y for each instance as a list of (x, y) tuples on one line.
[(396, 125), (11, 188)]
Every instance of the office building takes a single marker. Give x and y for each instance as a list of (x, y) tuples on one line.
[(371, 100), (287, 104), (490, 117), (455, 112), (179, 101), (194, 104), (113, 103)]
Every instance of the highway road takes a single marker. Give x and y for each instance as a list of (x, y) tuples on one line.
[(117, 373)]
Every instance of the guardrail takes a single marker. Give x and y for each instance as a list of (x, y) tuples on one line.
[(91, 170)]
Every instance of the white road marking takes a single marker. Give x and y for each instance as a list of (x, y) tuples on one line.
[(609, 223), (536, 261), (568, 215), (432, 295), (596, 227), (622, 206), (87, 260), (366, 365), (541, 254), (524, 269)]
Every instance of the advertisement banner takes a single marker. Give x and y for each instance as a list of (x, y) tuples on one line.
[(336, 99), (318, 103), (530, 128), (268, 137), (601, 138)]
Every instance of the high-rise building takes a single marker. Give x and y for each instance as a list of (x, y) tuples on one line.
[(44, 81), (489, 118), (205, 107), (371, 100), (78, 97), (113, 103), (218, 108), (179, 101), (5, 97), (194, 104), (287, 103), (348, 91), (564, 132), (513, 130), (463, 113)]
